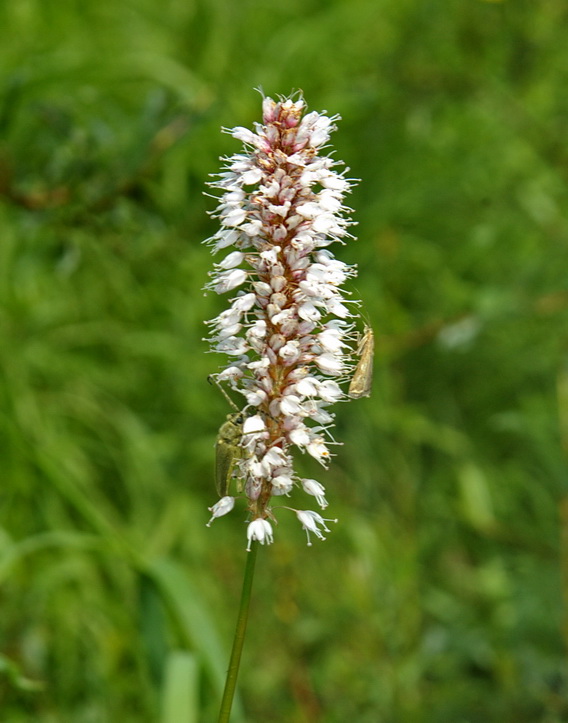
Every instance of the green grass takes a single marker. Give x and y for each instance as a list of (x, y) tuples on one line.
[(441, 594)]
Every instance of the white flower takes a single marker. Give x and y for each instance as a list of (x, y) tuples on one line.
[(244, 135), (330, 363), (336, 307), (221, 508), (330, 340), (229, 280), (223, 238), (244, 303), (290, 352), (300, 436), (330, 391), (230, 374), (290, 405), (309, 312), (234, 216), (274, 458), (235, 258), (260, 530), (312, 487), (318, 450), (307, 387), (226, 331), (310, 521), (248, 178), (234, 345), (282, 484), (255, 397), (254, 424)]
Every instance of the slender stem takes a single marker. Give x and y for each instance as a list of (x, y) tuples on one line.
[(233, 672)]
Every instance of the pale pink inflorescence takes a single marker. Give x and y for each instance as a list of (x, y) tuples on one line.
[(288, 331)]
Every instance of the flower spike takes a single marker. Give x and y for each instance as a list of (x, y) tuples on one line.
[(288, 333)]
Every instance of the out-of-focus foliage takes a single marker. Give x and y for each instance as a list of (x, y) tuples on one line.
[(440, 595)]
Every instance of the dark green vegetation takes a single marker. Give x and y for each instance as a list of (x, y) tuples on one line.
[(440, 595)]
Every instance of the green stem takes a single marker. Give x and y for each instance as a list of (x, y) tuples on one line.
[(233, 672)]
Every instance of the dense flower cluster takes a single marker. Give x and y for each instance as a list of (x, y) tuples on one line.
[(288, 331)]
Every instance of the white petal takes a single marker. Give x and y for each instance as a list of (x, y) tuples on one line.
[(234, 217), (234, 346), (309, 210), (252, 176), (252, 228), (330, 391), (307, 387), (329, 363), (322, 223), (229, 280), (259, 530), (255, 397), (254, 424), (225, 237), (282, 485), (230, 374), (300, 436), (334, 306), (244, 302), (290, 404), (224, 506), (318, 450), (226, 331), (313, 487), (290, 352), (245, 135), (309, 312), (235, 258)]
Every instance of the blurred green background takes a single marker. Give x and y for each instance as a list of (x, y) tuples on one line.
[(441, 594)]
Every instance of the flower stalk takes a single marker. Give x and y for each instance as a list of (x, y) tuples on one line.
[(239, 639)]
